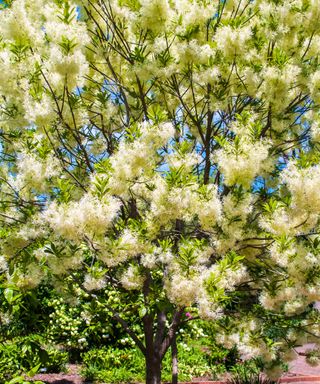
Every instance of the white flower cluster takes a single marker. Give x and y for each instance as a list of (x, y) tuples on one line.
[(67, 62), (234, 215), (209, 209), (3, 264), (303, 185), (19, 22), (28, 278), (191, 52), (241, 163), (88, 216), (282, 255), (278, 84), (155, 256), (186, 161), (132, 278), (33, 173), (171, 203), (232, 41), (125, 247), (286, 221), (137, 159), (183, 291), (154, 14), (92, 283), (64, 264)]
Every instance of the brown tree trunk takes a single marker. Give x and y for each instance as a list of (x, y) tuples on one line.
[(153, 370), (174, 358)]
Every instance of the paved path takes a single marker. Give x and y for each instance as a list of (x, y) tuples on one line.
[(300, 366)]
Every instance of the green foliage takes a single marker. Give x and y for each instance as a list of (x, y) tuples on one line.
[(68, 13), (188, 253), (101, 186), (279, 58), (270, 206), (28, 355), (67, 45), (133, 132), (248, 373), (165, 58), (121, 365), (176, 178), (156, 114), (190, 32), (194, 361), (139, 55), (5, 3), (103, 166), (21, 312), (22, 380), (113, 365), (64, 191), (77, 327)]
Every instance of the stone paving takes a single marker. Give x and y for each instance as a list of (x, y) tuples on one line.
[(299, 365)]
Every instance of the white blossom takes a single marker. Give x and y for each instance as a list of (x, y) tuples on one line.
[(88, 216), (92, 283), (132, 278)]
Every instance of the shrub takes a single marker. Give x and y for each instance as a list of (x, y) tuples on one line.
[(25, 354), (123, 365), (113, 365)]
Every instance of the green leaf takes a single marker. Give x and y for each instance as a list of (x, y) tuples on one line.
[(68, 13), (8, 294), (34, 370), (21, 380), (270, 206), (101, 186), (142, 311), (157, 114), (67, 45)]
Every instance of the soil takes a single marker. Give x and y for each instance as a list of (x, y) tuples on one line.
[(72, 376)]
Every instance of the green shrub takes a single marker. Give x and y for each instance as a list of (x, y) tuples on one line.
[(9, 364), (249, 378), (25, 354), (192, 362), (126, 365), (113, 365), (249, 372)]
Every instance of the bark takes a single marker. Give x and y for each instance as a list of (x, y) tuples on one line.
[(174, 357), (153, 369), (152, 356), (157, 340)]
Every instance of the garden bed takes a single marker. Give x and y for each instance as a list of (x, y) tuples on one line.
[(73, 377)]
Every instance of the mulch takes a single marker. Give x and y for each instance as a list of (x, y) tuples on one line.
[(72, 376)]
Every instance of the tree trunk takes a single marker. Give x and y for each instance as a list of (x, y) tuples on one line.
[(174, 357), (153, 370)]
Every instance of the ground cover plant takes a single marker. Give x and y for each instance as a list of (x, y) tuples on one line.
[(165, 152)]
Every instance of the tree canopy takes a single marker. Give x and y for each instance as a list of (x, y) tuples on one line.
[(169, 149)]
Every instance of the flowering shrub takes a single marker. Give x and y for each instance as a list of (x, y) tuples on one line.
[(168, 151)]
